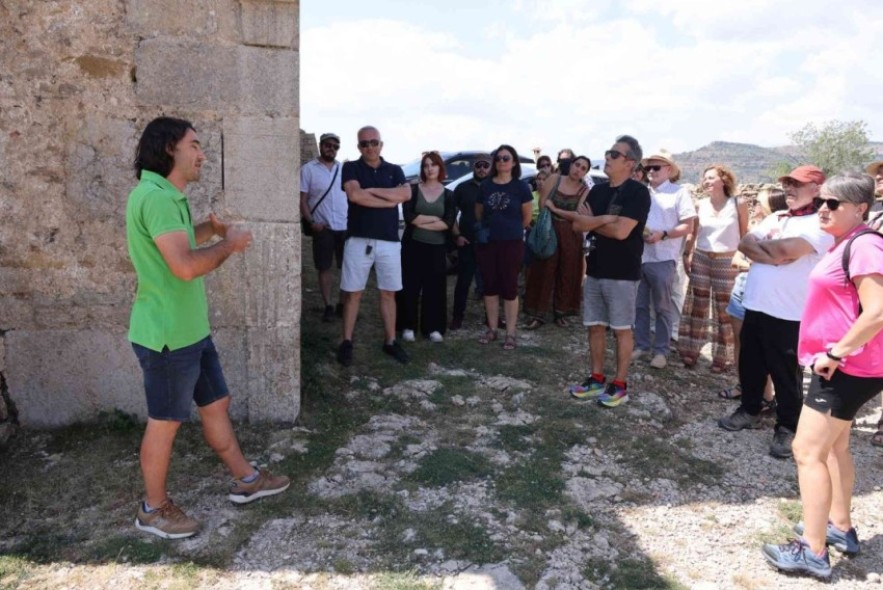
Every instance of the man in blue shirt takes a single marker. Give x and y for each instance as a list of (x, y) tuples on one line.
[(375, 188)]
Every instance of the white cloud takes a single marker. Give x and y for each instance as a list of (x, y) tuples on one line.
[(676, 75)]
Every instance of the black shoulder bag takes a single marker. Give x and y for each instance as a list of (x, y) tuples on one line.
[(307, 227)]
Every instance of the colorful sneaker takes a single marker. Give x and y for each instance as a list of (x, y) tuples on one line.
[(613, 396), (168, 521), (588, 389), (796, 556), (266, 484), (844, 542)]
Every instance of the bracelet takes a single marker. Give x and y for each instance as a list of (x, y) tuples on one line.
[(833, 357)]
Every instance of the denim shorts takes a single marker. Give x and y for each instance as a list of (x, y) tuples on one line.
[(609, 302), (734, 307), (174, 379)]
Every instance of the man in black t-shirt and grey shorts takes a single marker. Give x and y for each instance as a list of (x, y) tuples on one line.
[(614, 213)]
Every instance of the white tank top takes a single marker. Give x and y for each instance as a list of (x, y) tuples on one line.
[(718, 230)]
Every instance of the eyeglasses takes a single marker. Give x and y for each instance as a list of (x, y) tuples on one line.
[(833, 204), (654, 168), (482, 164), (615, 155), (503, 158), (369, 142), (333, 146)]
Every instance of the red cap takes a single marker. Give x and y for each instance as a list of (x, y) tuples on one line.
[(806, 174)]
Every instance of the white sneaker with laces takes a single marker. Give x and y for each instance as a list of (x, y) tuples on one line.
[(659, 361), (436, 337), (408, 335)]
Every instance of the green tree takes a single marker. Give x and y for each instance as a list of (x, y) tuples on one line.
[(834, 146)]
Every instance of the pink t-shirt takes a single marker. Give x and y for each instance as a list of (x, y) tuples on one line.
[(832, 306)]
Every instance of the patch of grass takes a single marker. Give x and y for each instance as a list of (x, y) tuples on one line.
[(444, 466), (641, 574), (343, 566), (403, 581), (535, 483), (791, 509), (363, 505), (13, 571), (642, 454), (458, 538), (515, 437), (121, 548)]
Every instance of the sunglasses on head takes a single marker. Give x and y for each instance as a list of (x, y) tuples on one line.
[(503, 158), (653, 168), (369, 142), (615, 155), (482, 164), (833, 204)]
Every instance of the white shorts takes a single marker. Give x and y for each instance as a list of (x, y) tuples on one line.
[(360, 254)]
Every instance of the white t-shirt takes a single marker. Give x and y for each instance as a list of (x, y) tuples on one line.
[(669, 204), (315, 178), (780, 291), (718, 230)]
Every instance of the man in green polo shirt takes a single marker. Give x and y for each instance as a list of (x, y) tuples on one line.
[(169, 327)]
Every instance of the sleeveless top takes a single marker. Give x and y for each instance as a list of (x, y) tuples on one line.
[(718, 230), (565, 201), (424, 207)]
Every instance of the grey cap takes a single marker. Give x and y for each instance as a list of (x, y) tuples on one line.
[(326, 136)]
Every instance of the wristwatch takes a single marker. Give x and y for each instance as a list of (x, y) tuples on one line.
[(665, 234)]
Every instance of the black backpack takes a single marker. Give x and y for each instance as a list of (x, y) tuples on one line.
[(847, 251)]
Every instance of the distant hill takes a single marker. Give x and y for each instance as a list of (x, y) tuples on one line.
[(749, 162)]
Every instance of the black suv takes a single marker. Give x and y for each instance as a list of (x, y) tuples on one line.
[(457, 164)]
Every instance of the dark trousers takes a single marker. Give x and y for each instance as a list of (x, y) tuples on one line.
[(466, 270), (424, 287), (769, 347)]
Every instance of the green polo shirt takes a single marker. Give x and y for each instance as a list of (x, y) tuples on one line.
[(167, 311)]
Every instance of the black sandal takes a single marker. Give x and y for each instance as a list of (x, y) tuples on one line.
[(560, 321)]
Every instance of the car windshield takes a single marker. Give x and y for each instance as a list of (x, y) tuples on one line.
[(412, 168)]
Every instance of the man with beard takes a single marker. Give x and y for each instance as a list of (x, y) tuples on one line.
[(465, 196), (783, 249), (323, 205)]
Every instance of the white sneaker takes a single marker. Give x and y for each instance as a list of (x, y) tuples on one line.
[(436, 337), (408, 335), (637, 354), (659, 361)]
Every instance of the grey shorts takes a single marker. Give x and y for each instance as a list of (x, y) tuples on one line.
[(608, 302)]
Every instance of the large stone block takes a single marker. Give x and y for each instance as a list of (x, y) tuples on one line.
[(56, 377), (269, 23), (217, 19), (259, 288), (253, 79), (274, 374), (261, 168)]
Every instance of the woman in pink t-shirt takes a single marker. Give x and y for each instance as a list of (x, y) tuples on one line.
[(841, 339)]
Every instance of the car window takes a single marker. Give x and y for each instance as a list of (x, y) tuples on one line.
[(459, 166)]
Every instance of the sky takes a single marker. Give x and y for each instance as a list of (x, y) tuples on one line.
[(677, 75)]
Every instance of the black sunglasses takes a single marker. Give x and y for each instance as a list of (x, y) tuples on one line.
[(615, 155), (369, 142), (334, 146), (503, 158), (833, 204), (482, 164), (545, 165), (654, 168)]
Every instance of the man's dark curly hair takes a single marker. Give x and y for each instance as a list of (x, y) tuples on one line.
[(156, 144)]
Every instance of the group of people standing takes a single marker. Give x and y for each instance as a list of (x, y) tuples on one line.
[(771, 273)]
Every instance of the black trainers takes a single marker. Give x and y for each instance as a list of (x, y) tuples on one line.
[(780, 448), (739, 420), (328, 316), (396, 352), (345, 353), (338, 310)]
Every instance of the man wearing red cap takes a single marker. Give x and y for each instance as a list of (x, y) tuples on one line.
[(783, 249)]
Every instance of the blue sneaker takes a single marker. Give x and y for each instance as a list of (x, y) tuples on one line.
[(796, 557), (588, 389), (844, 542), (613, 396)]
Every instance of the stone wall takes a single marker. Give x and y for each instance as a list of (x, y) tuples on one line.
[(78, 82)]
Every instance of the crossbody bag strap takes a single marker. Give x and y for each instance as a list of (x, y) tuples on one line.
[(328, 190)]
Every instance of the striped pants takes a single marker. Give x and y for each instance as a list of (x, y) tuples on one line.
[(710, 278)]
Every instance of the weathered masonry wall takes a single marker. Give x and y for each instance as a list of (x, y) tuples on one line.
[(78, 82)]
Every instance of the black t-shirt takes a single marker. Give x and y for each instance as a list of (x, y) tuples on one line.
[(465, 196), (619, 259), (371, 222)]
